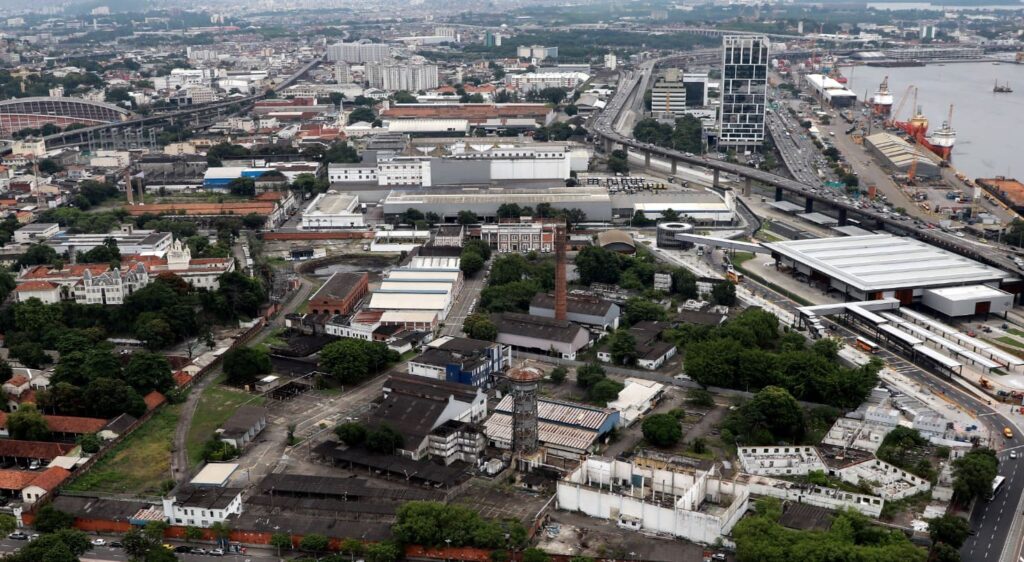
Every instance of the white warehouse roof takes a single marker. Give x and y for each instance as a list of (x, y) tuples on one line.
[(409, 301), (878, 262)]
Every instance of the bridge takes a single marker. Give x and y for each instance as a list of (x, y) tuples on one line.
[(198, 116), (630, 92)]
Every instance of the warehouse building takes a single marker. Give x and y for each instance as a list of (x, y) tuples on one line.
[(830, 91), (541, 335), (878, 266), (462, 360), (332, 211), (484, 201), (582, 309), (564, 429), (897, 155)]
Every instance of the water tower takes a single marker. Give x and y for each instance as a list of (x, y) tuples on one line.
[(525, 443)]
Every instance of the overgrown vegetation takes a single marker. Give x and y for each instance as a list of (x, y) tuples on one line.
[(434, 524)]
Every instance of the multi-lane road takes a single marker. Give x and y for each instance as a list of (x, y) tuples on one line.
[(628, 97), (996, 524)]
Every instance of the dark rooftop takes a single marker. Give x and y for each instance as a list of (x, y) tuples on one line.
[(575, 304), (87, 507), (352, 489), (805, 517), (415, 471), (244, 419), (205, 497), (339, 285), (537, 327)]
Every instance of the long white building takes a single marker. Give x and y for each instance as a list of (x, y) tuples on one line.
[(358, 52), (332, 211)]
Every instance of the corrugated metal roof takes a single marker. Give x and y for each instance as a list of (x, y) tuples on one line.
[(499, 428), (563, 413), (409, 301)]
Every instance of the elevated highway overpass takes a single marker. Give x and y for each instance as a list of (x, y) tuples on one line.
[(198, 116), (631, 88)]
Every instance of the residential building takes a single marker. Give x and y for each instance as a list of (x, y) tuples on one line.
[(462, 360), (340, 293), (531, 81), (342, 73), (456, 441), (450, 235), (29, 486), (358, 52), (538, 52), (744, 90), (398, 77)]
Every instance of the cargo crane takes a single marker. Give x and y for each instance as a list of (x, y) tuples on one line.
[(891, 121)]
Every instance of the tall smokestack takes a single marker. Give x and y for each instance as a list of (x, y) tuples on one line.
[(561, 296)]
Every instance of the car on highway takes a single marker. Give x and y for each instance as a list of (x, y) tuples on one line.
[(98, 542), (1013, 454)]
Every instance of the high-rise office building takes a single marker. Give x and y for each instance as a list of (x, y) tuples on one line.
[(743, 91), (676, 91), (358, 52)]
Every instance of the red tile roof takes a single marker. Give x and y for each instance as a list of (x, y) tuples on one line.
[(32, 286), (42, 450), (181, 378), (241, 208), (474, 112), (67, 424), (51, 478), (153, 399), (17, 380), (16, 479)]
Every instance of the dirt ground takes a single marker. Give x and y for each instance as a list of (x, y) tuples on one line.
[(574, 534)]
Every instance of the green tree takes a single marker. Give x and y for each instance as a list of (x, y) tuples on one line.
[(470, 263), (662, 430), (942, 552), (950, 529), (480, 327), (352, 434), (383, 552), (595, 264), (384, 439), (622, 346), (38, 254), (8, 524), (775, 412), (604, 391), (147, 372), (280, 540), (193, 534), (361, 114), (638, 309), (109, 398), (535, 555), (700, 397), (468, 217), (352, 547), (352, 361), (314, 543), (50, 520), (588, 375), (242, 186), (724, 293), (558, 374), (243, 365), (973, 474), (403, 96), (28, 424)]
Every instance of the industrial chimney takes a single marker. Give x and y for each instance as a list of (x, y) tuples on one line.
[(561, 296), (128, 186)]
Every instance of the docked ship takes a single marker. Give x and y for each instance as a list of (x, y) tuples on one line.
[(881, 102), (941, 141), (1004, 89)]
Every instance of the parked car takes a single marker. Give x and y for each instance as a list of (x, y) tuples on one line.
[(183, 549), (116, 544), (99, 542), (18, 536), (216, 552), (198, 551)]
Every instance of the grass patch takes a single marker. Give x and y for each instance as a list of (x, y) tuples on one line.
[(1010, 341), (1015, 332), (139, 464), (215, 406)]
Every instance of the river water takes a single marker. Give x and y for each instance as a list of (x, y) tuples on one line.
[(989, 126)]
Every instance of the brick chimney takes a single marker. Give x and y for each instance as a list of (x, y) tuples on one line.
[(128, 186), (561, 296)]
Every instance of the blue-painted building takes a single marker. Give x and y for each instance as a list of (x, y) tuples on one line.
[(462, 360), (219, 178)]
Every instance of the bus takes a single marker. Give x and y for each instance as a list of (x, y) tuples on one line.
[(867, 345), (996, 484)]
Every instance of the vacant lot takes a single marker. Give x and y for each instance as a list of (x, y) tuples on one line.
[(215, 407), (140, 463)]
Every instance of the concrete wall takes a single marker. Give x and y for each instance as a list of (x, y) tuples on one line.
[(446, 171), (827, 498)]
